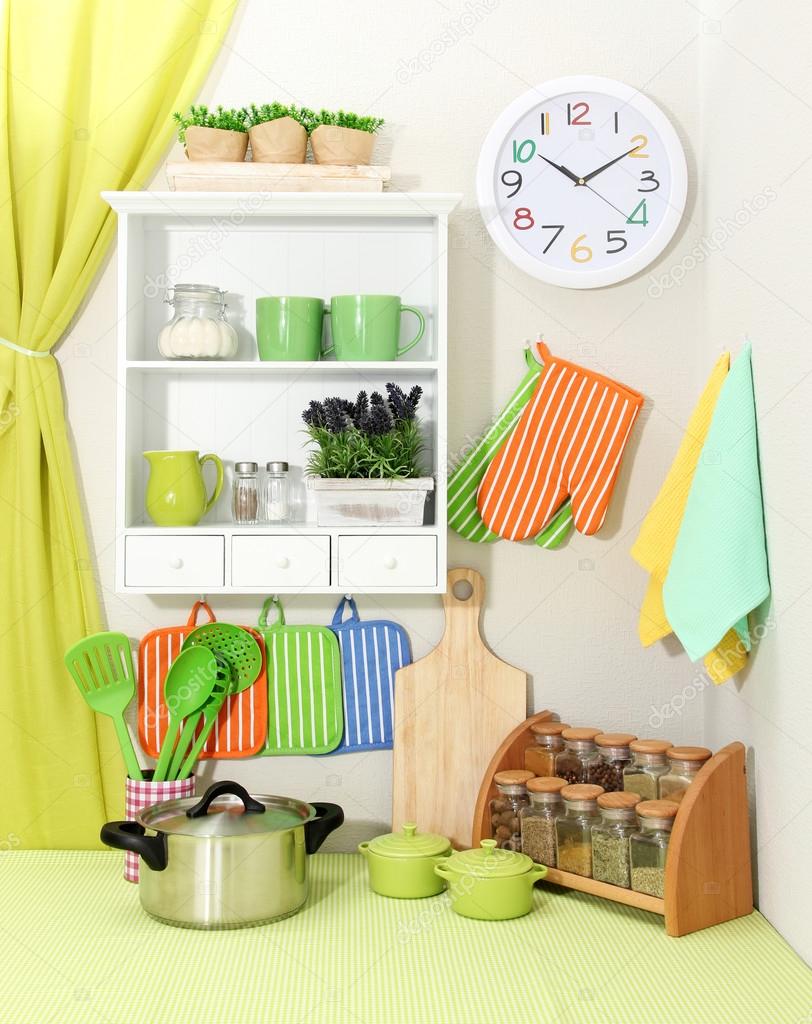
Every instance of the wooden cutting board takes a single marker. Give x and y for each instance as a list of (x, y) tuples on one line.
[(452, 710)]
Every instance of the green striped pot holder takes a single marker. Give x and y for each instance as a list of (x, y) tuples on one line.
[(463, 515), (305, 714)]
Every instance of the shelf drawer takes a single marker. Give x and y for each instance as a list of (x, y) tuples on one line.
[(280, 561), (176, 560), (386, 560)]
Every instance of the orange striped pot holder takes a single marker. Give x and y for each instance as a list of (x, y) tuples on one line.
[(241, 726), (568, 441)]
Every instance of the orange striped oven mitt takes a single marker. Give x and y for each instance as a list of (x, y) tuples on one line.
[(569, 441)]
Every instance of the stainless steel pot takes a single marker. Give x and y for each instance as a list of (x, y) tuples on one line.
[(228, 860)]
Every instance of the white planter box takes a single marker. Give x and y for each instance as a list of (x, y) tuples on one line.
[(370, 502)]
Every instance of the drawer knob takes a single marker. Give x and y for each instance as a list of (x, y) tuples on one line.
[(283, 562), (390, 562), (176, 562)]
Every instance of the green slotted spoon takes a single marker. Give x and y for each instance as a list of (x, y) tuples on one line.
[(235, 643), (102, 667), (187, 687)]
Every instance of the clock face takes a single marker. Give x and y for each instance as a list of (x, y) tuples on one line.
[(582, 182)]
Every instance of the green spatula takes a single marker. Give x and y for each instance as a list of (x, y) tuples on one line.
[(102, 667)]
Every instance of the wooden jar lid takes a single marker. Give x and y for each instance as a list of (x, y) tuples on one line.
[(580, 734), (548, 728), (621, 801), (581, 791), (651, 746), (546, 784), (515, 777), (689, 754), (615, 739), (657, 809)]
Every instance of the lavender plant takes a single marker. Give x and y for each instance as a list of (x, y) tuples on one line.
[(371, 438)]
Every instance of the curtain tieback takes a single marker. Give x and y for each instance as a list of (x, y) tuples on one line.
[(24, 351)]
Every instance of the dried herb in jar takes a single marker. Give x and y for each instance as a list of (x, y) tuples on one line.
[(576, 857), (610, 859), (649, 880), (538, 840)]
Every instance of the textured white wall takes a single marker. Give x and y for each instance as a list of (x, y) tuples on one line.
[(440, 73)]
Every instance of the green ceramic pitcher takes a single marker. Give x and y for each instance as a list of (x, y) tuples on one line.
[(176, 491)]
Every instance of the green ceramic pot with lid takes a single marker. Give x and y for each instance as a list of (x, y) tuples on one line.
[(401, 864), (490, 884)]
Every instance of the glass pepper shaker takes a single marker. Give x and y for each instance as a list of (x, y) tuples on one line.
[(539, 817), (648, 847), (649, 764), (276, 493), (511, 797), (683, 765), (613, 756), (539, 757), (610, 838), (573, 829), (578, 755), (245, 494)]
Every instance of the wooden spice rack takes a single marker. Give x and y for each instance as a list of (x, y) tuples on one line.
[(708, 876)]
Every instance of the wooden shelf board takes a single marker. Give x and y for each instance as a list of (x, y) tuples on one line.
[(608, 892)]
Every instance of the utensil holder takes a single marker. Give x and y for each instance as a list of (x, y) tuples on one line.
[(138, 795)]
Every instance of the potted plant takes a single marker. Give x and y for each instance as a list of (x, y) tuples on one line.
[(213, 134), (365, 467), (278, 133), (342, 137)]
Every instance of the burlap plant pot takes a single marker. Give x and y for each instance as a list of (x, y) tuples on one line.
[(347, 146), (215, 144), (283, 141)]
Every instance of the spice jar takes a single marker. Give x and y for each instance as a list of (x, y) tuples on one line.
[(573, 829), (539, 757), (276, 493), (683, 764), (578, 755), (613, 756), (648, 765), (648, 846), (511, 797), (245, 494), (610, 838), (538, 819)]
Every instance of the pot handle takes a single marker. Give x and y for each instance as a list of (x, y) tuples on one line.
[(536, 874), (130, 836), (441, 870), (327, 820), (363, 848), (250, 805)]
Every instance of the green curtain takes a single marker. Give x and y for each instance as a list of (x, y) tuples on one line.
[(87, 90)]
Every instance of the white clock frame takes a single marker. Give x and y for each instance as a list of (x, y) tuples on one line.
[(489, 200)]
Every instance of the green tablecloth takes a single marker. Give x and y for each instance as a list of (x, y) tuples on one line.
[(76, 947)]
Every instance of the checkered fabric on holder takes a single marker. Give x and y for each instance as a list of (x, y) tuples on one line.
[(138, 795)]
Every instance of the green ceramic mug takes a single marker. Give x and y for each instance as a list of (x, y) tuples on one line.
[(289, 328), (367, 327)]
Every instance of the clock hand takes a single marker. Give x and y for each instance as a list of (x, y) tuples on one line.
[(592, 174), (564, 170), (591, 189)]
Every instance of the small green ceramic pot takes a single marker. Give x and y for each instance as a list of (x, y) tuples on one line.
[(402, 864), (490, 884)]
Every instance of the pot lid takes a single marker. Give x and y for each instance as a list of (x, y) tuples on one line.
[(489, 862), (409, 843), (227, 815)]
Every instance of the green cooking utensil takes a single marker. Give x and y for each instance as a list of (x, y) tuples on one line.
[(235, 643), (225, 685), (102, 667), (225, 675), (188, 684)]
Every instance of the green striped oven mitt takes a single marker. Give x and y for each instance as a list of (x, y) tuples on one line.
[(463, 515)]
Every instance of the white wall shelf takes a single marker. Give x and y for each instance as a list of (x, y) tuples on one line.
[(250, 245)]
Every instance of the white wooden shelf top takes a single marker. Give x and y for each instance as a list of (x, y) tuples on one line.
[(296, 204)]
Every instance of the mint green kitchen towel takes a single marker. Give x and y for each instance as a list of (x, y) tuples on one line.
[(718, 573)]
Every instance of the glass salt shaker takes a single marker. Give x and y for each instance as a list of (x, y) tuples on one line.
[(245, 494), (511, 789), (276, 493)]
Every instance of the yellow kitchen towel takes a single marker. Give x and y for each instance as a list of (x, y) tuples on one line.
[(658, 534)]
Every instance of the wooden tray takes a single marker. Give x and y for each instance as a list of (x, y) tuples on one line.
[(708, 876), (203, 176)]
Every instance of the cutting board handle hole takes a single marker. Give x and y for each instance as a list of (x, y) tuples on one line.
[(462, 590)]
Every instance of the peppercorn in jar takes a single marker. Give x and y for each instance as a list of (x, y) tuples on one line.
[(578, 755), (613, 756)]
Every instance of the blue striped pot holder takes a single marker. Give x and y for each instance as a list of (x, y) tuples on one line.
[(371, 654)]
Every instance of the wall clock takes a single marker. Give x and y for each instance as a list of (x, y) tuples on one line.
[(582, 181)]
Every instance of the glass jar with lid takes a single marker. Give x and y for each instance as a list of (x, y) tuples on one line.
[(648, 846), (683, 765), (579, 753), (613, 756), (539, 757), (276, 493), (245, 494), (198, 328), (538, 819), (511, 797), (649, 764), (573, 828), (610, 838)]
